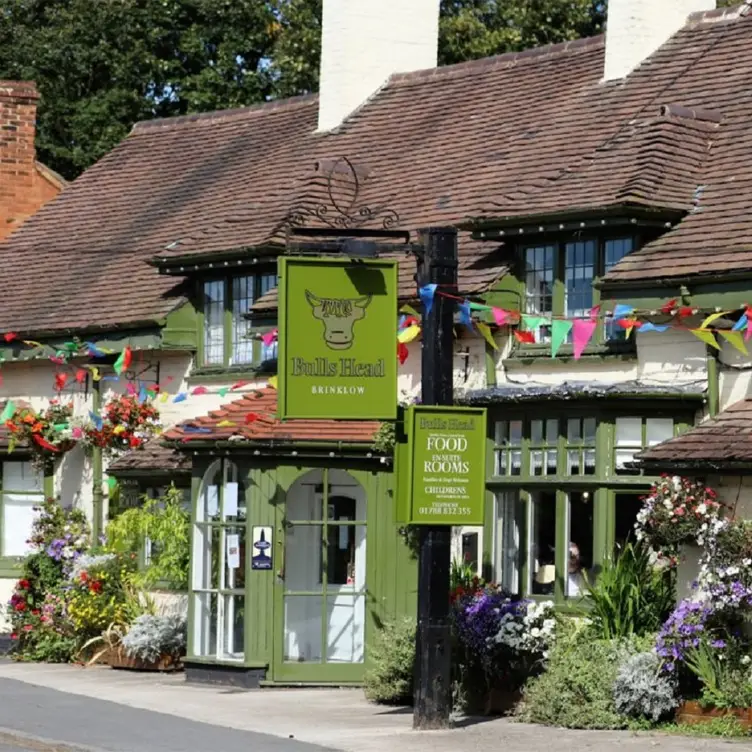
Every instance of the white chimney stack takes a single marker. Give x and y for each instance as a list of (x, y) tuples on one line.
[(635, 29), (363, 42)]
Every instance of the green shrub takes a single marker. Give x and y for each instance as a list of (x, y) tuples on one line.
[(576, 690), (630, 596), (389, 680), (167, 525)]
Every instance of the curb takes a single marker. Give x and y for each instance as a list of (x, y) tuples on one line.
[(40, 744)]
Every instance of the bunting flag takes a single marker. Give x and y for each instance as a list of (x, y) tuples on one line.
[(80, 376), (42, 442), (560, 329), (533, 323), (272, 382), (426, 294), (225, 423), (10, 336), (485, 330), (465, 317), (409, 334), (735, 339), (8, 411), (649, 327), (525, 338), (582, 331), (621, 311), (223, 391), (402, 352), (500, 316), (180, 397), (96, 420), (713, 317), (199, 390), (123, 361), (269, 337), (706, 336)]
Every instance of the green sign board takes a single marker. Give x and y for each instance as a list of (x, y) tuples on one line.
[(337, 352), (447, 468)]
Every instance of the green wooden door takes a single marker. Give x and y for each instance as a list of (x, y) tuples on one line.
[(320, 591)]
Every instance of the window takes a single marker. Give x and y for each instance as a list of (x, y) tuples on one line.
[(227, 332), (507, 541), (218, 564), (581, 446), (559, 278), (542, 543), (22, 490), (580, 533), (509, 447), (632, 435), (544, 437)]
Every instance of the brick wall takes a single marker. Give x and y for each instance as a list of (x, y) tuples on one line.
[(25, 185)]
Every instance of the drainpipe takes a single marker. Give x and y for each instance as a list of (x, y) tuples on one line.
[(97, 520), (711, 360)]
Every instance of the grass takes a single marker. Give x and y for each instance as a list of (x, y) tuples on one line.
[(727, 727)]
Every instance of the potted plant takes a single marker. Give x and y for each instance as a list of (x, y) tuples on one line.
[(678, 516), (154, 643)]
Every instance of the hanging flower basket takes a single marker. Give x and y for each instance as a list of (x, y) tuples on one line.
[(47, 434), (127, 423), (678, 512)]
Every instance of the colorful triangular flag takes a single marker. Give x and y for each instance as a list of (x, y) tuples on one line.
[(560, 329), (735, 339), (706, 336)]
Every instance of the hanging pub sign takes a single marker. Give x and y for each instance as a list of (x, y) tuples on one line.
[(447, 465), (336, 352)]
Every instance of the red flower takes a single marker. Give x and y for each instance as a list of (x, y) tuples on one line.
[(23, 584), (14, 636), (84, 577), (20, 606), (95, 587), (27, 627)]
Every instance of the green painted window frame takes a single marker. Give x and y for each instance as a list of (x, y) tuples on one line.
[(230, 319), (223, 469), (600, 340), (604, 484), (10, 565)]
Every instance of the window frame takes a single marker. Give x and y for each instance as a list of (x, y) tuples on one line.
[(604, 485), (9, 563), (229, 323), (558, 293)]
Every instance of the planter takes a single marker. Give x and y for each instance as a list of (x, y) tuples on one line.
[(692, 713), (117, 658)]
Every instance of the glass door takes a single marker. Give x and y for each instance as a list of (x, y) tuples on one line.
[(322, 584)]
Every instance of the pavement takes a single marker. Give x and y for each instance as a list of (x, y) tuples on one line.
[(48, 708)]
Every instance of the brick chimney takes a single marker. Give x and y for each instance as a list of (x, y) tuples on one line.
[(635, 29), (25, 185), (363, 42)]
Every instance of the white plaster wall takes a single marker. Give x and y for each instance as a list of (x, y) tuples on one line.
[(667, 358), (636, 28), (6, 591), (469, 368), (736, 492), (735, 375)]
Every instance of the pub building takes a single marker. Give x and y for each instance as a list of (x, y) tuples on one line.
[(586, 178)]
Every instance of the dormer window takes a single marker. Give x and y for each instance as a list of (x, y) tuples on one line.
[(228, 338), (559, 277)]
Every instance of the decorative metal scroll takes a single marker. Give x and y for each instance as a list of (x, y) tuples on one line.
[(333, 200)]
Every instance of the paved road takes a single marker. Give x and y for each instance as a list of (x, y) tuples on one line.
[(47, 720)]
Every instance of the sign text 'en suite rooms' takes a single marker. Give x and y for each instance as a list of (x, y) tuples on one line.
[(447, 465)]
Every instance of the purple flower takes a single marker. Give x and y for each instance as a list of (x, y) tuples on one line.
[(719, 644)]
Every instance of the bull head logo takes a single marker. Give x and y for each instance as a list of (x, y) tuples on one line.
[(338, 316)]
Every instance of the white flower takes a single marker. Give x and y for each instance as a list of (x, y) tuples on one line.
[(701, 509)]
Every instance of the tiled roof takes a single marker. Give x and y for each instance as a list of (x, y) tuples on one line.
[(152, 456), (723, 440), (252, 418), (505, 136)]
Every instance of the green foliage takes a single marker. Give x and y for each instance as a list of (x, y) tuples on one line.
[(462, 575), (725, 683), (575, 691), (726, 726), (153, 636), (385, 438), (630, 596), (167, 525), (389, 680), (643, 691)]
